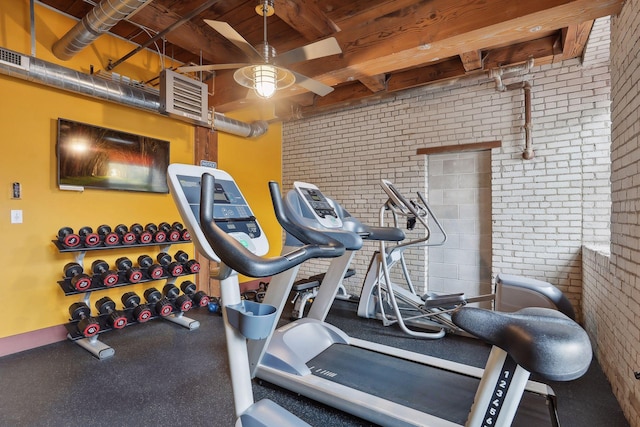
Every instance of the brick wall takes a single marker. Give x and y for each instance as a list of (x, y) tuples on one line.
[(612, 283), (543, 209)]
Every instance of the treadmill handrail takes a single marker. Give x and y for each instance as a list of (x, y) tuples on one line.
[(233, 254)]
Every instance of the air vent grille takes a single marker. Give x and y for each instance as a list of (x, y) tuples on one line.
[(14, 59), (183, 96)]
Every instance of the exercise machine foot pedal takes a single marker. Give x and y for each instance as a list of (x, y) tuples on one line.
[(266, 413), (432, 301)]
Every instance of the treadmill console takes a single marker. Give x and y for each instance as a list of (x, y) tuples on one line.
[(321, 207), (231, 211)]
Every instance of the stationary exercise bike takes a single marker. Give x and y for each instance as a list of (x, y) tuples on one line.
[(225, 230), (389, 386), (429, 315)]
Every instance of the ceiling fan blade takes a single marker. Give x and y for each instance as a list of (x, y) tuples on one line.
[(234, 37), (314, 50), (312, 85), (212, 67)]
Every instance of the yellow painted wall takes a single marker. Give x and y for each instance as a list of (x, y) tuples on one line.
[(253, 163), (28, 115)]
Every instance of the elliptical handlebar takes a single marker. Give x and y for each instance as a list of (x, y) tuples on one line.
[(410, 206), (238, 257)]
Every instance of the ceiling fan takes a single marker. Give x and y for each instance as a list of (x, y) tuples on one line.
[(263, 74)]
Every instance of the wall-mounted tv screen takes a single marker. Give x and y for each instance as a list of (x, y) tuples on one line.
[(94, 157)]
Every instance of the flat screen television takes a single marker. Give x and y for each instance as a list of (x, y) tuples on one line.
[(94, 157)]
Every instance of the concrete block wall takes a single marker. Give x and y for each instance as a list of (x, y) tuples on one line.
[(460, 196), (543, 209)]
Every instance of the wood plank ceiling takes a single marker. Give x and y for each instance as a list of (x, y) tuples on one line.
[(387, 45)]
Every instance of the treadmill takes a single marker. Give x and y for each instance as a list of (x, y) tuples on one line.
[(381, 384)]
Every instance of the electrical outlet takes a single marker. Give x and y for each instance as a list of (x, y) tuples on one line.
[(16, 216)]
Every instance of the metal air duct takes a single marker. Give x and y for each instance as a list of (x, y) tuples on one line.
[(100, 20), (35, 70)]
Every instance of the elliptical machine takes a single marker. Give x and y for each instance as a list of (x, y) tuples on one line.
[(429, 315)]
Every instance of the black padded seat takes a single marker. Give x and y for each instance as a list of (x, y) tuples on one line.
[(541, 340), (545, 288)]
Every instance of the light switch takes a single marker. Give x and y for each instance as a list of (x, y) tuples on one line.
[(16, 216)]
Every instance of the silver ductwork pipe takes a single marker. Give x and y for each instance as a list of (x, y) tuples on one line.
[(225, 124), (42, 72), (98, 21)]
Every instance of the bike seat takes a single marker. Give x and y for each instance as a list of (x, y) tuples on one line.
[(541, 340)]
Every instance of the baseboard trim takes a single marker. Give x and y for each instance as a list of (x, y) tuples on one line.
[(28, 340)]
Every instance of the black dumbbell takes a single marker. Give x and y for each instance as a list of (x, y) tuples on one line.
[(191, 265), (142, 235), (89, 238), (159, 236), (200, 298), (88, 326), (173, 235), (100, 268), (173, 269), (68, 238), (116, 319), (79, 280), (154, 271), (126, 237), (184, 233), (132, 274), (109, 238), (181, 302), (141, 312), (162, 305)]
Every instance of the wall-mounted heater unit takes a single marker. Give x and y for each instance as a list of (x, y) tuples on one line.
[(183, 97)]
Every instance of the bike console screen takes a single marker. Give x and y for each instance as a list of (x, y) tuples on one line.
[(230, 210)]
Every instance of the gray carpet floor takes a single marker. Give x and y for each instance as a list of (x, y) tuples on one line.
[(163, 374)]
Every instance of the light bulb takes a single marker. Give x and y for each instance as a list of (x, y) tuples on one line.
[(265, 80)]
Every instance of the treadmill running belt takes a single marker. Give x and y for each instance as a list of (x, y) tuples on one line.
[(435, 391)]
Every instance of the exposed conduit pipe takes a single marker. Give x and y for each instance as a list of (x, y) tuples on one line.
[(98, 21), (528, 152), (188, 17), (38, 71), (497, 73)]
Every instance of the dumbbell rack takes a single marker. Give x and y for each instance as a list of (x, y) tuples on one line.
[(92, 344)]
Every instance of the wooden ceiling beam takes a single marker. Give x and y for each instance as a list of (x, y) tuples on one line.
[(305, 17), (521, 52), (438, 29), (445, 70), (375, 83), (194, 36), (574, 39), (471, 60)]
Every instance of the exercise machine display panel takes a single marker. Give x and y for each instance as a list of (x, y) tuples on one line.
[(321, 207), (231, 211)]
